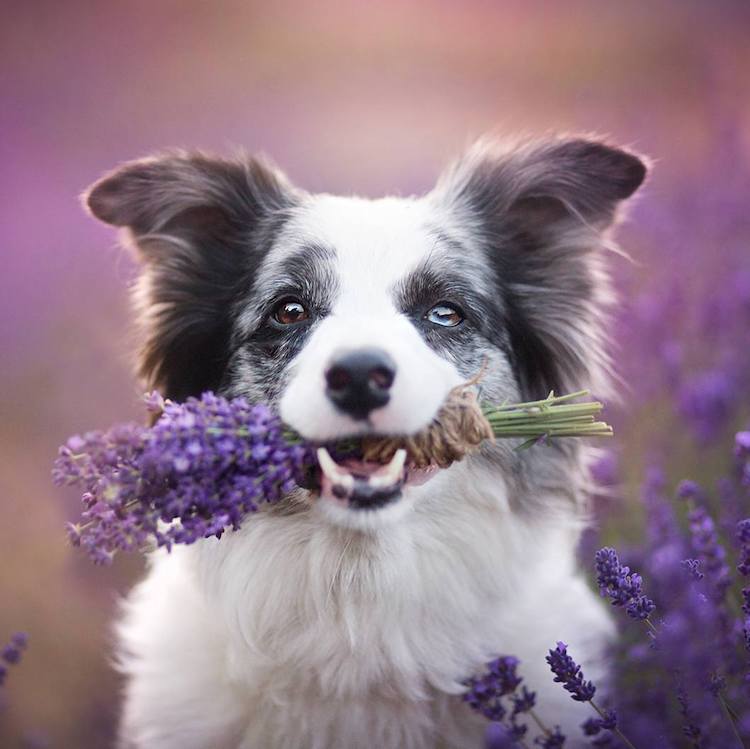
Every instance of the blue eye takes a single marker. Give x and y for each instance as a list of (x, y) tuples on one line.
[(444, 315)]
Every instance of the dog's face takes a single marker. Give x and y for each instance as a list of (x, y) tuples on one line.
[(358, 317)]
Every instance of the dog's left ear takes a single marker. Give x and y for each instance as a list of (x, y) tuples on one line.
[(201, 226), (540, 210)]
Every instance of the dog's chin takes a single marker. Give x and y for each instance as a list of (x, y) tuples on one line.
[(366, 495)]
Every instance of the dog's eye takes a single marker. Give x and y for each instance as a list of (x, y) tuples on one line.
[(445, 314), (290, 311)]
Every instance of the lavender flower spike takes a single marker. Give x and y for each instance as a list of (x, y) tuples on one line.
[(743, 536), (11, 653), (568, 673), (486, 691), (623, 587), (554, 740), (201, 469), (485, 695), (743, 567), (742, 452)]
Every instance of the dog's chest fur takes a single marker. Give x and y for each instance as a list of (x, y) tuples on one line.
[(294, 634)]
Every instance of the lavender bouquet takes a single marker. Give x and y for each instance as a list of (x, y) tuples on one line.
[(207, 463)]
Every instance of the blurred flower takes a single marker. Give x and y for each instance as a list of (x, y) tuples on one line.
[(693, 568), (707, 400), (11, 653), (553, 740)]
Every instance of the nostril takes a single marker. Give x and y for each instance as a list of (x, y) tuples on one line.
[(337, 378), (381, 378)]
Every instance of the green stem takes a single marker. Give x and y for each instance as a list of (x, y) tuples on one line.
[(539, 723), (549, 400), (728, 715)]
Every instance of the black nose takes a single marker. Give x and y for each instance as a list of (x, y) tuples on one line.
[(359, 381)]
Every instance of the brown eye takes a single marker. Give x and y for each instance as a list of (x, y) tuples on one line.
[(445, 315), (290, 311)]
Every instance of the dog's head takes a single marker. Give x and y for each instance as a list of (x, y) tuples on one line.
[(357, 317)]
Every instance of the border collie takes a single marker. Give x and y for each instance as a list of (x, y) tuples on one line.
[(345, 620)]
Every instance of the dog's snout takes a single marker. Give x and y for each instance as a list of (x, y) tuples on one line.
[(359, 381)]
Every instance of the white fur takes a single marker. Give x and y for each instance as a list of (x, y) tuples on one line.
[(385, 239), (305, 631)]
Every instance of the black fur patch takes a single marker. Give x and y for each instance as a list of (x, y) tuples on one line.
[(202, 227), (541, 210)]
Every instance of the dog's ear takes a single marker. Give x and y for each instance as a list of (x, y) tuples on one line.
[(201, 226), (541, 210)]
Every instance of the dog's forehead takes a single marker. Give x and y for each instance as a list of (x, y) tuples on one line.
[(371, 243)]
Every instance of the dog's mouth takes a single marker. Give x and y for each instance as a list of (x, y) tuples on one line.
[(366, 485)]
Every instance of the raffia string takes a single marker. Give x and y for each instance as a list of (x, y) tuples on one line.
[(458, 429)]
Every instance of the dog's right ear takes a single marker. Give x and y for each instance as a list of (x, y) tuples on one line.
[(201, 226)]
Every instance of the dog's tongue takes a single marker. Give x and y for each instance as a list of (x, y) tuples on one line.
[(355, 478)]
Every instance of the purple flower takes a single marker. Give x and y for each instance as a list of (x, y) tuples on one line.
[(524, 701), (716, 684), (712, 554), (154, 402), (706, 401), (693, 568), (742, 444), (742, 453), (640, 607), (743, 537), (690, 727), (687, 489), (202, 468), (568, 673), (12, 652), (554, 740), (593, 726), (605, 470), (499, 736), (485, 691), (623, 587)]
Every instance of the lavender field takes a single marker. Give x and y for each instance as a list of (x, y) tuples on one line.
[(373, 98)]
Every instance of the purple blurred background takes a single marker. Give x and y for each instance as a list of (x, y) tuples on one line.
[(349, 97)]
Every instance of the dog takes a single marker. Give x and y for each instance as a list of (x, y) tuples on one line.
[(351, 618)]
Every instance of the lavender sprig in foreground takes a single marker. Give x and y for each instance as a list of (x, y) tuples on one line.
[(200, 469), (621, 586), (11, 653), (499, 695), (568, 673)]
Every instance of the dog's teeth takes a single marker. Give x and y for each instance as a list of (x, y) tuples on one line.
[(392, 473), (333, 471)]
